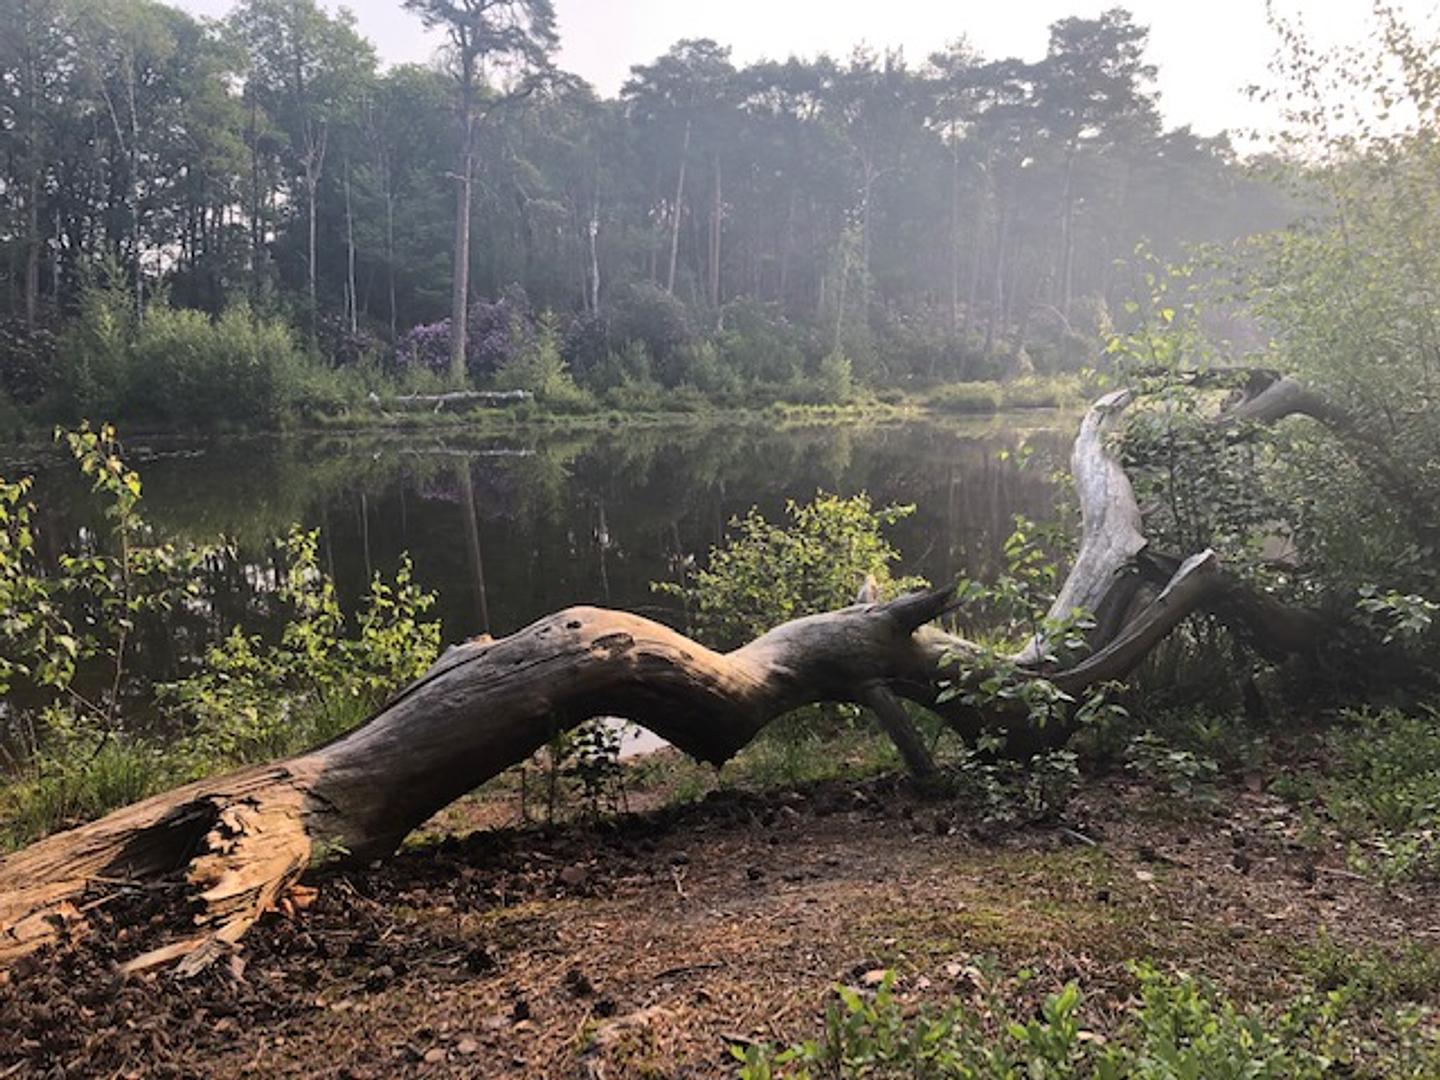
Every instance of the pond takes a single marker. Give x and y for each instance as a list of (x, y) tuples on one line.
[(507, 528)]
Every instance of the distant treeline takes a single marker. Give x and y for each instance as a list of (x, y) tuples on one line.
[(957, 218)]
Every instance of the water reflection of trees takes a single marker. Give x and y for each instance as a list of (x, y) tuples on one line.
[(505, 529)]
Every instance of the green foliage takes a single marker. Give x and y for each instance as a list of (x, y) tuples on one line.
[(870, 1035), (699, 365), (761, 346), (589, 756), (1178, 1029), (1373, 979), (67, 644), (67, 775), (252, 700), (1382, 790), (1052, 392), (68, 641), (86, 611), (1202, 481), (1175, 773), (766, 574), (834, 380), (647, 314), (1398, 616), (182, 368), (1346, 297), (188, 370), (802, 755), (1013, 608), (538, 367), (965, 397)]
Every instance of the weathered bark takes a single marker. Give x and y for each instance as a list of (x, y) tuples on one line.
[(1111, 533), (890, 713)]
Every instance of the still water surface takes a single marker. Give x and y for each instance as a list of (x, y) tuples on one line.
[(505, 529)]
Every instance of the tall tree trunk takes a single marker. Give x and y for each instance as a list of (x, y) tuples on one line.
[(132, 154), (840, 299), (460, 283), (390, 249), (787, 243), (675, 214), (592, 233), (865, 201), (352, 299), (954, 234), (1067, 236), (311, 291), (32, 251), (30, 91), (997, 287), (977, 256), (715, 230), (257, 233)]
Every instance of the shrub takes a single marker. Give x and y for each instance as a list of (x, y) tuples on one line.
[(699, 365), (1181, 774), (1048, 393), (252, 700), (761, 346), (833, 378), (496, 332), (1384, 791), (346, 348), (181, 367), (500, 331), (636, 396), (646, 313), (539, 368), (766, 573), (425, 348), (94, 348), (188, 370), (630, 364), (587, 344)]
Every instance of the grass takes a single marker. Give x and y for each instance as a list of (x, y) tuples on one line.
[(66, 787), (72, 780), (1049, 392)]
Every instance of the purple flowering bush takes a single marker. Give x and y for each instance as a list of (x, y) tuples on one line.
[(425, 348), (497, 332)]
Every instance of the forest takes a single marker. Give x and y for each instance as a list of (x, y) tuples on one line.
[(783, 230), (836, 568)]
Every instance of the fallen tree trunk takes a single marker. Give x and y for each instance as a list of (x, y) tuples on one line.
[(437, 402), (240, 840), (484, 707)]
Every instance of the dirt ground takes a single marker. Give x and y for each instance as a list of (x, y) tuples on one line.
[(647, 946)]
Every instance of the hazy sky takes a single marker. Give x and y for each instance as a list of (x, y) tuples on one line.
[(1207, 50)]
